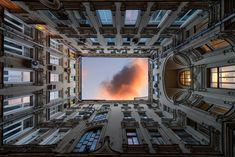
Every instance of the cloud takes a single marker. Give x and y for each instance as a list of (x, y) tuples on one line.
[(127, 83)]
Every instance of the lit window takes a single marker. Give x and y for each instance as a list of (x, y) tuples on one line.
[(131, 17), (54, 77), (132, 138), (184, 17), (185, 78), (54, 60), (156, 137), (88, 141), (17, 76), (54, 95), (100, 116), (218, 110), (17, 104), (157, 17), (105, 17), (222, 77)]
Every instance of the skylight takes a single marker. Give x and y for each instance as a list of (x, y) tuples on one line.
[(110, 40), (105, 17), (114, 78), (143, 40), (131, 17), (157, 17), (184, 17), (94, 40)]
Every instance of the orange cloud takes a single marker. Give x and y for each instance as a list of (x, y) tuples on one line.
[(126, 84)]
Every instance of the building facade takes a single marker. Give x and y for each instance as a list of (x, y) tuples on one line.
[(190, 108)]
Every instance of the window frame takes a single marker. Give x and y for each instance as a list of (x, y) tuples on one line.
[(218, 77)]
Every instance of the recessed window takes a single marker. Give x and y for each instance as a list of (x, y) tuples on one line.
[(88, 141), (131, 17), (186, 137), (183, 17), (100, 117), (14, 129), (156, 137), (143, 40), (110, 41), (15, 104), (54, 77), (222, 77), (157, 17), (185, 78), (105, 17), (54, 60), (15, 76), (132, 138), (54, 95), (94, 40)]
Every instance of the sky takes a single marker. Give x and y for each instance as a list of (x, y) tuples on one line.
[(114, 78)]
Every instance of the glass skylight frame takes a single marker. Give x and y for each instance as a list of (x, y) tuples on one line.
[(133, 17), (159, 17), (105, 17)]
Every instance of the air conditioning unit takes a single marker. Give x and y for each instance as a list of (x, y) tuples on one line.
[(35, 64), (51, 87), (68, 70), (51, 67)]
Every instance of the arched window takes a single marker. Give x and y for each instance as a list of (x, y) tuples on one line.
[(185, 78), (100, 117), (88, 141)]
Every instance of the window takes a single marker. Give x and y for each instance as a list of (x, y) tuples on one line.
[(54, 77), (88, 141), (14, 47), (17, 104), (32, 136), (55, 109), (54, 44), (55, 137), (184, 17), (156, 137), (54, 60), (110, 41), (15, 76), (143, 40), (157, 17), (143, 115), (10, 21), (186, 137), (185, 78), (127, 115), (222, 77), (100, 117), (131, 17), (14, 129), (218, 110), (94, 40), (54, 95), (105, 17), (132, 138)]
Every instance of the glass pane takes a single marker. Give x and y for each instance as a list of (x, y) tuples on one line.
[(229, 80), (105, 17), (214, 77), (227, 68), (227, 74), (131, 17), (230, 86)]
